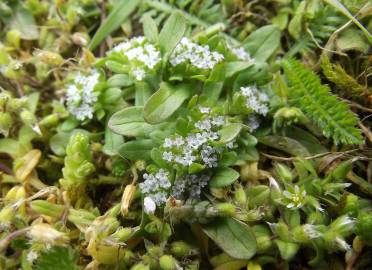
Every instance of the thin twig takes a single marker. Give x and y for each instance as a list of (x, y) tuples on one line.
[(309, 157)]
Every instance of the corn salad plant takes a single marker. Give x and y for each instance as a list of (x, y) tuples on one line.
[(181, 134)]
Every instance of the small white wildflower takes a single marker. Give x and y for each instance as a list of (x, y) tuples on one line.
[(139, 74), (218, 121), (204, 124), (230, 145), (295, 198), (168, 156), (149, 205), (32, 256), (178, 141), (241, 54), (204, 109), (253, 123), (167, 143)]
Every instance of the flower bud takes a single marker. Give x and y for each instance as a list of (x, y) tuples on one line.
[(225, 209), (127, 198), (287, 249), (167, 262), (240, 196), (283, 172), (249, 171), (149, 205), (123, 234), (15, 104), (6, 123), (13, 37), (358, 244), (180, 249), (263, 238), (80, 39), (49, 58), (28, 118), (49, 121), (46, 234)]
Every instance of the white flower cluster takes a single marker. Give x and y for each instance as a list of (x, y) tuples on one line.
[(255, 100), (195, 146), (141, 54), (199, 56), (191, 184), (156, 186), (81, 96)]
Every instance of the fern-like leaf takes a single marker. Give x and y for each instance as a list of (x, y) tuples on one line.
[(336, 74), (315, 100), (57, 258)]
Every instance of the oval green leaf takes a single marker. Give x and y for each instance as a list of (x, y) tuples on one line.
[(223, 177), (233, 237), (229, 132), (129, 122), (166, 101), (137, 150)]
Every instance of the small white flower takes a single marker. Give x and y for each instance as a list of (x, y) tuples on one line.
[(241, 54), (139, 74), (32, 256), (230, 145), (178, 141), (167, 143), (252, 123), (295, 198), (168, 156), (204, 124), (149, 205), (204, 109), (218, 121)]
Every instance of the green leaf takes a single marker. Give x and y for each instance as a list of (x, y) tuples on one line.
[(233, 237), (130, 122), (352, 39), (118, 15), (150, 28), (137, 150), (24, 22), (112, 142), (285, 144), (120, 80), (57, 258), (229, 132), (172, 32), (163, 103), (223, 177), (263, 42), (143, 92), (232, 68)]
